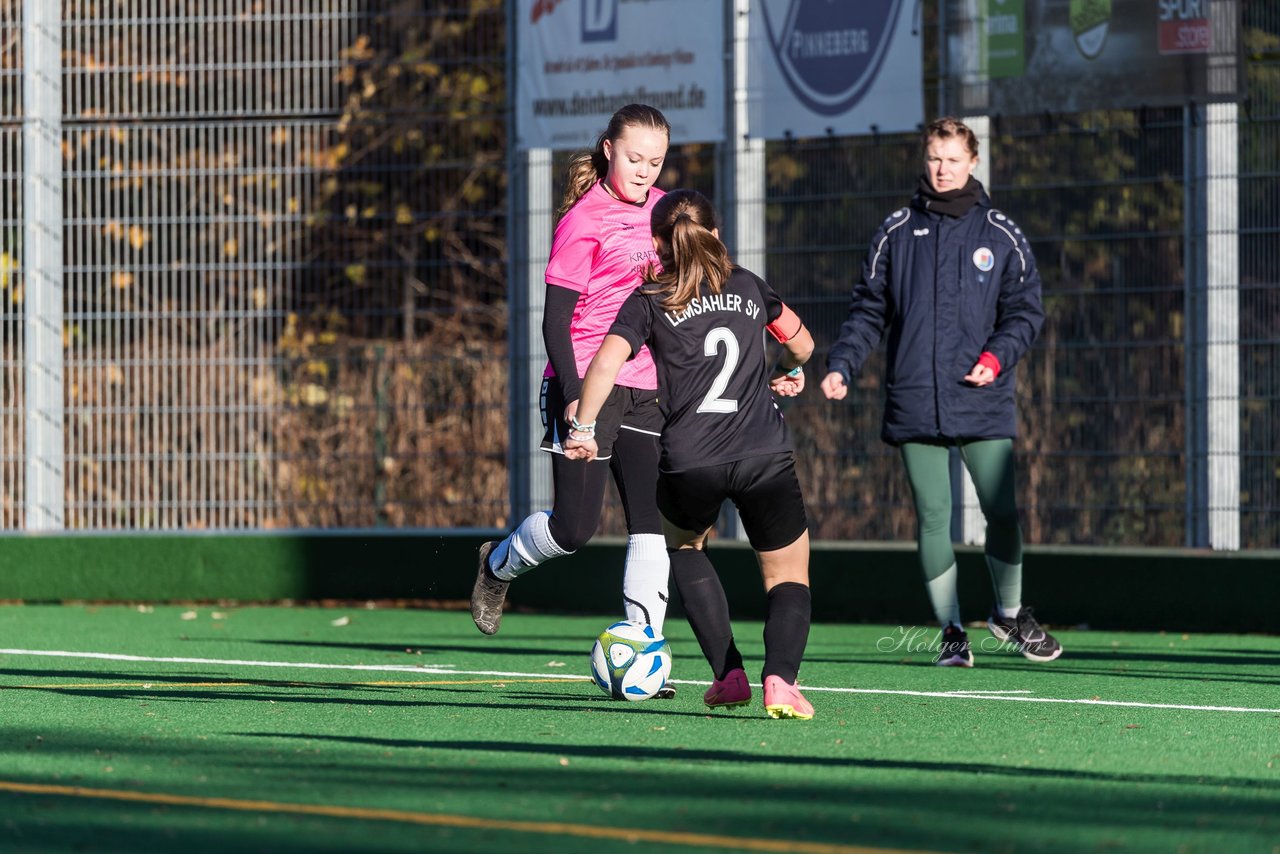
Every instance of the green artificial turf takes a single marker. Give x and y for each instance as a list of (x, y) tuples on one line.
[(423, 735)]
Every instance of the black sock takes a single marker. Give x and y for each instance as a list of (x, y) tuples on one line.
[(786, 630), (706, 607)]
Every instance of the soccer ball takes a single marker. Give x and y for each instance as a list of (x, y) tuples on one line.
[(630, 661)]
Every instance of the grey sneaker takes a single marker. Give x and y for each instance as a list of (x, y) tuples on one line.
[(488, 594), (1026, 634)]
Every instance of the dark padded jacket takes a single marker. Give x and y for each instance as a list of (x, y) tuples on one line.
[(946, 289)]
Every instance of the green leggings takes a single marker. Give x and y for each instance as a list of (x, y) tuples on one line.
[(990, 464)]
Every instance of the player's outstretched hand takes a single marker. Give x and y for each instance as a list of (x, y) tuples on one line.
[(581, 450), (833, 386), (787, 386)]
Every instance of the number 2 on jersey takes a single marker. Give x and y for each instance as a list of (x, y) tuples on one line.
[(713, 402)]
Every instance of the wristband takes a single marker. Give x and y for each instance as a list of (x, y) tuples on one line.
[(796, 371), (588, 430)]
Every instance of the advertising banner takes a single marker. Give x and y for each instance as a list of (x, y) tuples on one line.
[(1011, 57), (580, 60), (841, 68)]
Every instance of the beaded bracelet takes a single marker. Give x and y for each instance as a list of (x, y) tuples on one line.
[(588, 430)]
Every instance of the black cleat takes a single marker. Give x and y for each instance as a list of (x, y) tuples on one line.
[(666, 692), (954, 650), (488, 594), (1026, 634)]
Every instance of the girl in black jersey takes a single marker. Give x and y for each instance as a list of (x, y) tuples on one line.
[(723, 438)]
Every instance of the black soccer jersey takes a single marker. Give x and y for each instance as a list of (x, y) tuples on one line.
[(712, 377)]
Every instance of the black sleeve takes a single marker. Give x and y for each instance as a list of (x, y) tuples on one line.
[(557, 315)]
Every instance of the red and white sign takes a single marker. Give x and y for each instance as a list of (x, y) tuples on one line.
[(1184, 26)]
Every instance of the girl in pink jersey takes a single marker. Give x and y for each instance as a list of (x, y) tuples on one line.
[(601, 248)]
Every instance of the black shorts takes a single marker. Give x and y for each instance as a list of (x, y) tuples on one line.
[(764, 489), (625, 409)]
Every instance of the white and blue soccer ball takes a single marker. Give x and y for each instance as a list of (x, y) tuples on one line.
[(630, 661)]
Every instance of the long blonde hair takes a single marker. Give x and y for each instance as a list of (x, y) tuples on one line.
[(588, 167), (690, 253)]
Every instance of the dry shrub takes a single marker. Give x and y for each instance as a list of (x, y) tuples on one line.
[(406, 434), (336, 432)]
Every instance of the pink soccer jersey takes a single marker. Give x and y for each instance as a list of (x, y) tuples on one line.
[(600, 250)]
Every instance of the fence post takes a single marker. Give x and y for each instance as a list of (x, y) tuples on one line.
[(1213, 327), (42, 263), (531, 232), (742, 180)]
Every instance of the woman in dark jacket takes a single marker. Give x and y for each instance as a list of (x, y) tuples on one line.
[(953, 283)]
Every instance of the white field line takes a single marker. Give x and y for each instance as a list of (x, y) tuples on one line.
[(1005, 696), (962, 693)]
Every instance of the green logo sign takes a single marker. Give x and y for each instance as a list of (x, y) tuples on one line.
[(1090, 20), (1005, 38)]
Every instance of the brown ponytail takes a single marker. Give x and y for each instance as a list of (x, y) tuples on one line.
[(682, 221)]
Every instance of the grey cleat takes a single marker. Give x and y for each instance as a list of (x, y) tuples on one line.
[(488, 594)]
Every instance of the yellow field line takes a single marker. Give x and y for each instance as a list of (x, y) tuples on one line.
[(630, 835)]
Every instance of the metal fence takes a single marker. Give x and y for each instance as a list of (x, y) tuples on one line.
[(284, 237), (251, 206)]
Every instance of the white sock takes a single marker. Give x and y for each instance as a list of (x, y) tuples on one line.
[(645, 579), (524, 548), (942, 593)]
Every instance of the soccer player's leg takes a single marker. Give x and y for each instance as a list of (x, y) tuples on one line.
[(767, 494), (690, 503), (647, 572), (578, 489)]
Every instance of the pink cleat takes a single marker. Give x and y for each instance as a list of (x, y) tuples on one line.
[(785, 701), (733, 690)]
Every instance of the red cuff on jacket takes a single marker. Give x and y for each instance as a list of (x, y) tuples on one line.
[(989, 359)]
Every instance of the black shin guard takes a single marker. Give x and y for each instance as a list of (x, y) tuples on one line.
[(706, 607), (786, 630)]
